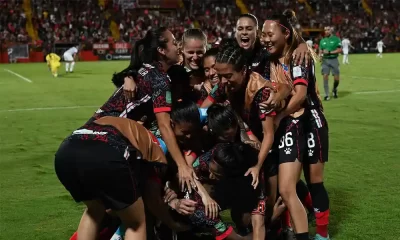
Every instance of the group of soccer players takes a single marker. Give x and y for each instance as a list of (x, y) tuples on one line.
[(191, 132)]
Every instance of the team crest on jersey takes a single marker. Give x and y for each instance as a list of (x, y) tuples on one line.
[(143, 71), (168, 97)]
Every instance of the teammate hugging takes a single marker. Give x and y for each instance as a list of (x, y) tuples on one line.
[(230, 129)]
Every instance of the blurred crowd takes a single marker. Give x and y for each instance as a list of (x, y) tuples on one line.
[(89, 21)]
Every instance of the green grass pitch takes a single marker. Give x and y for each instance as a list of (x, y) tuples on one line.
[(362, 176)]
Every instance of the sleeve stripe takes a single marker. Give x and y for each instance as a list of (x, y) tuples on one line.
[(300, 81), (271, 114), (162, 109)]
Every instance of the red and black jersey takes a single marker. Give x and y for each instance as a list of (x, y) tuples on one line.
[(153, 96), (123, 134), (247, 102), (313, 105), (259, 62)]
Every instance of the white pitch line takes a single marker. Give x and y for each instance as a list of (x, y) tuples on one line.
[(45, 108), (377, 92), (16, 74), (373, 78)]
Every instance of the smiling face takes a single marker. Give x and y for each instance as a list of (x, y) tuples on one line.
[(246, 32), (273, 38), (183, 131), (193, 52), (209, 70), (228, 75), (170, 52)]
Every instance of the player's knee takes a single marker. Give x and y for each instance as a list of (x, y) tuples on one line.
[(287, 192)]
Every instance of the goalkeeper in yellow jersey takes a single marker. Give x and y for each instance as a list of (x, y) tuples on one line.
[(53, 61)]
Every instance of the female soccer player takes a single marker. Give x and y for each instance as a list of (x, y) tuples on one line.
[(194, 46), (154, 55), (98, 165), (279, 38), (211, 77), (131, 140), (257, 56), (307, 100)]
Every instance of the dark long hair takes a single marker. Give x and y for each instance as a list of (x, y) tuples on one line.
[(185, 111), (220, 118), (231, 53), (287, 20), (146, 49)]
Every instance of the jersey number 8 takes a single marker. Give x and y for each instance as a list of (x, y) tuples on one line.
[(311, 140)]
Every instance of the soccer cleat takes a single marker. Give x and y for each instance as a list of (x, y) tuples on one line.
[(335, 93), (319, 237), (327, 98)]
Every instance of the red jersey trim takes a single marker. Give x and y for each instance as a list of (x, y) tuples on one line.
[(162, 109), (211, 99), (225, 234), (300, 81), (271, 114), (193, 154)]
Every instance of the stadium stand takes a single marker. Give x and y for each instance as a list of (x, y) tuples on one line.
[(43, 23)]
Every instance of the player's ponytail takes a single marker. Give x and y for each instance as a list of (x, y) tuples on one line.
[(290, 16), (146, 49)]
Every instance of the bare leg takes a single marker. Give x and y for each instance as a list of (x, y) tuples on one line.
[(89, 226), (133, 218)]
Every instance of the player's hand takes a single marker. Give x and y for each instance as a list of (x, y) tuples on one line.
[(211, 207), (301, 54), (186, 176), (197, 87), (169, 194), (279, 208), (184, 206), (271, 99), (129, 88), (254, 171)]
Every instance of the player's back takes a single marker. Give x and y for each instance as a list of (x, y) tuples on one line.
[(380, 44), (72, 50)]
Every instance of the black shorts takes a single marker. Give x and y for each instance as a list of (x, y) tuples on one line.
[(317, 145), (290, 140), (92, 170), (271, 164)]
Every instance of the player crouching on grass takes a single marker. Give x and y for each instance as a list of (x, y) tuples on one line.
[(53, 62), (116, 144)]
